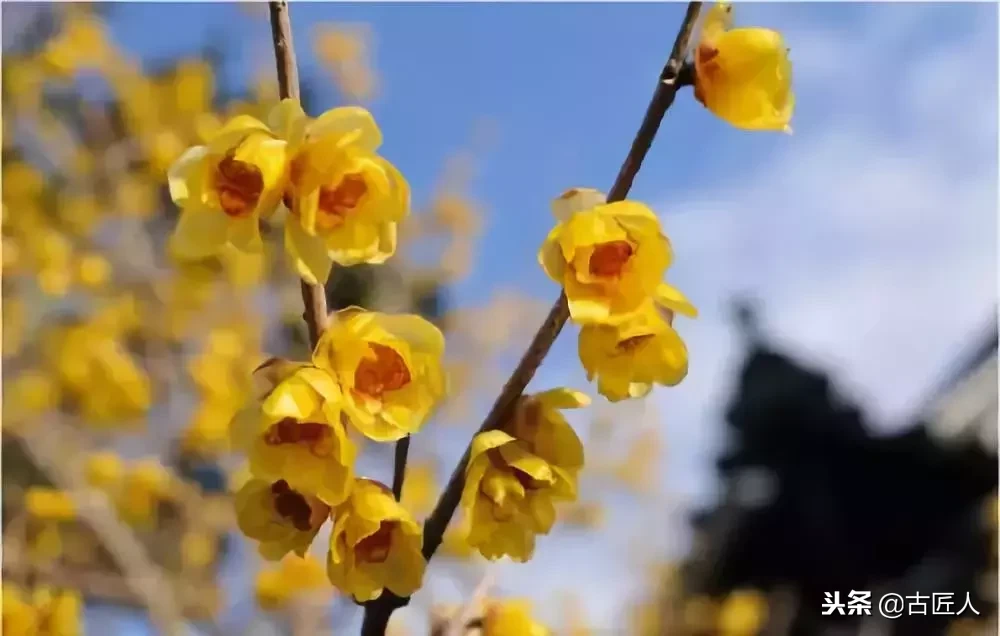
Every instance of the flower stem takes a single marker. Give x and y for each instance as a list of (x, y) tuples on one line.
[(377, 612), (313, 296)]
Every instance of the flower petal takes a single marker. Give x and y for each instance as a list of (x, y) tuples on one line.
[(308, 254)]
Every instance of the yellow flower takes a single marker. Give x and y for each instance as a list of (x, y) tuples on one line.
[(743, 613), (630, 357), (516, 475), (345, 200), (44, 613), (95, 367), (225, 187), (274, 587), (511, 618), (29, 395), (281, 519), (296, 433), (60, 611), (48, 504), (198, 549), (144, 486), (609, 257), (743, 75), (389, 369), (19, 616), (208, 432), (375, 544)]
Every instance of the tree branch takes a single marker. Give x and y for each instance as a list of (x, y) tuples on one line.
[(377, 612), (313, 296)]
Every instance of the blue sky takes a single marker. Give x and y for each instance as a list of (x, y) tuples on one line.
[(870, 234)]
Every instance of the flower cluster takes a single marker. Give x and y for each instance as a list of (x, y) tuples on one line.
[(45, 612), (516, 475), (343, 201), (610, 259), (371, 374)]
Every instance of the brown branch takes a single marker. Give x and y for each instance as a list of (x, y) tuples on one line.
[(399, 467), (377, 612), (313, 296)]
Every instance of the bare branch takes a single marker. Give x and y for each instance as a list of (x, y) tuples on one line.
[(313, 296), (377, 612)]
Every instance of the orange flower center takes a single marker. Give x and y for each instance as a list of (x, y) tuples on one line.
[(628, 345), (337, 201), (608, 259), (707, 69), (387, 371), (239, 185), (292, 506), (375, 547), (317, 437)]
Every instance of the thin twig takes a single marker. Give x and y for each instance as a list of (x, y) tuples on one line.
[(377, 612), (399, 467), (313, 296)]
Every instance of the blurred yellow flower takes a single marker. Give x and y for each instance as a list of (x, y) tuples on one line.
[(145, 485), (743, 75), (375, 544), (49, 504), (743, 613), (14, 322), (344, 51), (104, 471), (198, 549), (225, 187), (281, 519), (194, 87), (79, 212), (609, 258), (511, 618), (136, 196), (81, 44), (19, 615), (296, 433), (44, 613), (345, 201), (100, 374), (23, 86), (516, 475), (93, 271), (294, 575), (30, 394), (389, 369), (207, 433), (632, 356)]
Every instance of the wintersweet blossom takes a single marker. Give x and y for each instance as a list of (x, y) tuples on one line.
[(609, 257), (280, 518), (296, 433), (345, 200), (389, 369), (516, 475), (743, 75), (225, 187), (511, 618), (374, 545), (629, 358)]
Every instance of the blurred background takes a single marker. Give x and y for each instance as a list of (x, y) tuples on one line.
[(836, 432)]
